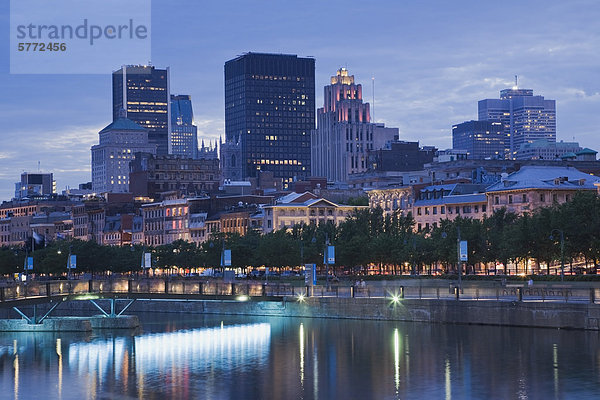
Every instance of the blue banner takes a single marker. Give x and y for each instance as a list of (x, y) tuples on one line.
[(331, 254), (463, 250), (226, 258), (73, 261)]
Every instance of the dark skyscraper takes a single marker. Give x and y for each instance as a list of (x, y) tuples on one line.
[(482, 139), (269, 114), (143, 92)]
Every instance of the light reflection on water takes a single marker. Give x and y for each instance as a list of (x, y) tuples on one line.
[(217, 357), (226, 347)]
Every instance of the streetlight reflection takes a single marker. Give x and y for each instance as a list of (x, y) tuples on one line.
[(302, 355), (397, 349), (448, 381)]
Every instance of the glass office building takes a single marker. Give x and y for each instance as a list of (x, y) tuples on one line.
[(269, 114), (525, 118), (184, 134), (143, 92), (481, 139)]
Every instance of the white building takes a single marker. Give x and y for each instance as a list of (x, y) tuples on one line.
[(545, 149), (118, 144), (344, 131)]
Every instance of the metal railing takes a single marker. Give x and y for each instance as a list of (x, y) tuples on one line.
[(188, 287), (34, 289)]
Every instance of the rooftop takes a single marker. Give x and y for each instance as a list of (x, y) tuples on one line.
[(123, 124), (531, 177)]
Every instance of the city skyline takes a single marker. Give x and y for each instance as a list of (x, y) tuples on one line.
[(423, 85)]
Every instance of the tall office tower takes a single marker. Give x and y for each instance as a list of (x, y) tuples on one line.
[(525, 117), (481, 139), (118, 144), (184, 134), (35, 184), (269, 113), (143, 92), (344, 131)]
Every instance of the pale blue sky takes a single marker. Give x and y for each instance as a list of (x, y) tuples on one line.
[(432, 61)]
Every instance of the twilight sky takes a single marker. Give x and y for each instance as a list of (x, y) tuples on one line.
[(432, 61)]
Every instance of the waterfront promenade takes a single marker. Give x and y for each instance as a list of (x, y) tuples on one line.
[(426, 289), (552, 306)]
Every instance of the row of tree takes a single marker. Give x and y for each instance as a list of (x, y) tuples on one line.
[(368, 239)]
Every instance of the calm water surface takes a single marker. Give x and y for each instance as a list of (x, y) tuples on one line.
[(216, 357)]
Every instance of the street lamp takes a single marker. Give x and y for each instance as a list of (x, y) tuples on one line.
[(313, 240), (326, 252), (459, 266), (562, 251)]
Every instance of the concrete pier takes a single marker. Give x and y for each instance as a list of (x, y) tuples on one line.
[(119, 322), (62, 324), (483, 312), (70, 324)]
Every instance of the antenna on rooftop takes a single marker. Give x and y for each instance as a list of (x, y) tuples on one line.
[(516, 82), (38, 166), (373, 92)]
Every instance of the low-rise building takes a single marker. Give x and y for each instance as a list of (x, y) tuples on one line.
[(545, 149), (534, 187), (197, 226), (137, 230), (438, 202), (385, 179), (304, 208), (166, 222), (152, 175), (118, 230), (53, 226), (399, 199)]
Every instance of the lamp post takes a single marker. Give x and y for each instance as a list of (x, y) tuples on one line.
[(413, 271), (69, 266), (562, 251), (458, 257), (326, 252), (59, 252), (313, 240)]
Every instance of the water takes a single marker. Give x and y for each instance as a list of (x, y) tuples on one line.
[(216, 357)]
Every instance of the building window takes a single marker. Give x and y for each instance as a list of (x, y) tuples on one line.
[(524, 198), (426, 210), (510, 199), (483, 208), (568, 197), (476, 208), (542, 198), (434, 210), (419, 213), (442, 210), (457, 210), (497, 200), (555, 197)]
